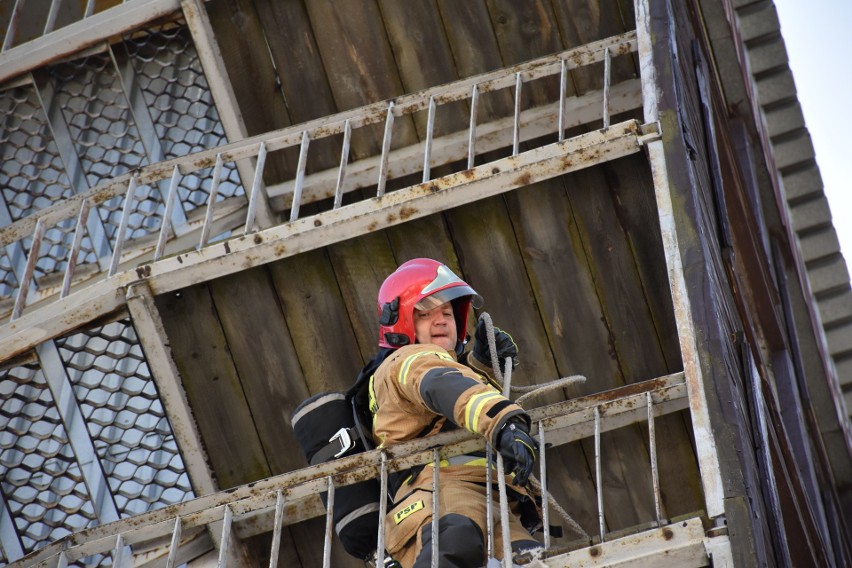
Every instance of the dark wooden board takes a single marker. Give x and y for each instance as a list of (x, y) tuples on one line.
[(358, 60), (318, 321), (266, 361), (212, 386), (238, 27)]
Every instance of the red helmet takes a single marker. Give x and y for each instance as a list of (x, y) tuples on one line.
[(421, 283)]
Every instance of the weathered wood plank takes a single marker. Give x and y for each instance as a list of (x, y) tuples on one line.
[(212, 386), (300, 71), (318, 321), (238, 29), (265, 359), (358, 60), (361, 265), (583, 21)]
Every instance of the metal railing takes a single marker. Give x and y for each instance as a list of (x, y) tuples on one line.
[(154, 261), (175, 532)]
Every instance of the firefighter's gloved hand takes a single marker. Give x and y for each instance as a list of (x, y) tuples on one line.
[(506, 346), (516, 445)]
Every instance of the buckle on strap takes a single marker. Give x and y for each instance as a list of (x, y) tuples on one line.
[(345, 440)]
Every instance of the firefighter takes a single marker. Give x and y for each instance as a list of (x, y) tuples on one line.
[(428, 384)]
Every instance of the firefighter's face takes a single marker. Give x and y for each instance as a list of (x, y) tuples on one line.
[(437, 326)]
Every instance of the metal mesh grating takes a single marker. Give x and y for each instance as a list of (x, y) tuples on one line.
[(41, 479), (104, 133), (32, 177), (169, 75), (125, 418)]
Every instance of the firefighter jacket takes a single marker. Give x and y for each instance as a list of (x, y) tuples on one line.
[(418, 388)]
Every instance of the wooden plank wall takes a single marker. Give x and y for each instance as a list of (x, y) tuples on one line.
[(573, 267)]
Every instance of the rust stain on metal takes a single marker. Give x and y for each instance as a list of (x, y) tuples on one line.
[(258, 239), (495, 170), (434, 188), (143, 271), (372, 226), (668, 534), (180, 259), (391, 218), (317, 222), (595, 551), (525, 178), (406, 212), (227, 248), (469, 173)]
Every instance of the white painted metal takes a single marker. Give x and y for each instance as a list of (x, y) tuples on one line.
[(516, 125), (211, 202), (708, 458), (680, 544), (219, 259), (719, 551), (344, 161), (175, 543), (27, 279), (71, 264), (276, 530), (12, 28), (9, 539), (606, 86), (545, 500), (223, 95), (383, 508), (254, 196), (471, 131), (165, 226), (427, 150), (535, 123), (436, 510), (329, 524), (81, 443), (652, 449), (386, 144), (565, 422), (118, 552), (300, 176), (122, 226), (77, 36), (563, 91), (50, 23), (152, 336), (598, 476), (331, 125), (226, 537)]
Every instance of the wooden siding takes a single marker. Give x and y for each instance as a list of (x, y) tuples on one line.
[(573, 267)]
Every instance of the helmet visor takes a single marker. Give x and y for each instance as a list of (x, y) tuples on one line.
[(441, 297)]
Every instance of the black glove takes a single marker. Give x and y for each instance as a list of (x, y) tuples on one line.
[(515, 444), (504, 343)]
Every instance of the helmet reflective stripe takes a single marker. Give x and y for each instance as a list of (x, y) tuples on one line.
[(445, 276)]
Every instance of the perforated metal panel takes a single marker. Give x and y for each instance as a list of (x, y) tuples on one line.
[(41, 478), (125, 418), (168, 73), (32, 177)]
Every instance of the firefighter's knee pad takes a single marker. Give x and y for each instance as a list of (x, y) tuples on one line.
[(460, 543)]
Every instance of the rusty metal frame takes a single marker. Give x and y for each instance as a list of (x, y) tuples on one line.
[(253, 506), (82, 34), (325, 228), (708, 457)]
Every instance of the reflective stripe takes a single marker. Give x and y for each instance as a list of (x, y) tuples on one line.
[(403, 371), (474, 408), (371, 388)]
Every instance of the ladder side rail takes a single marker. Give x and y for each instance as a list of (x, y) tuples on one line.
[(335, 124), (566, 422)]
